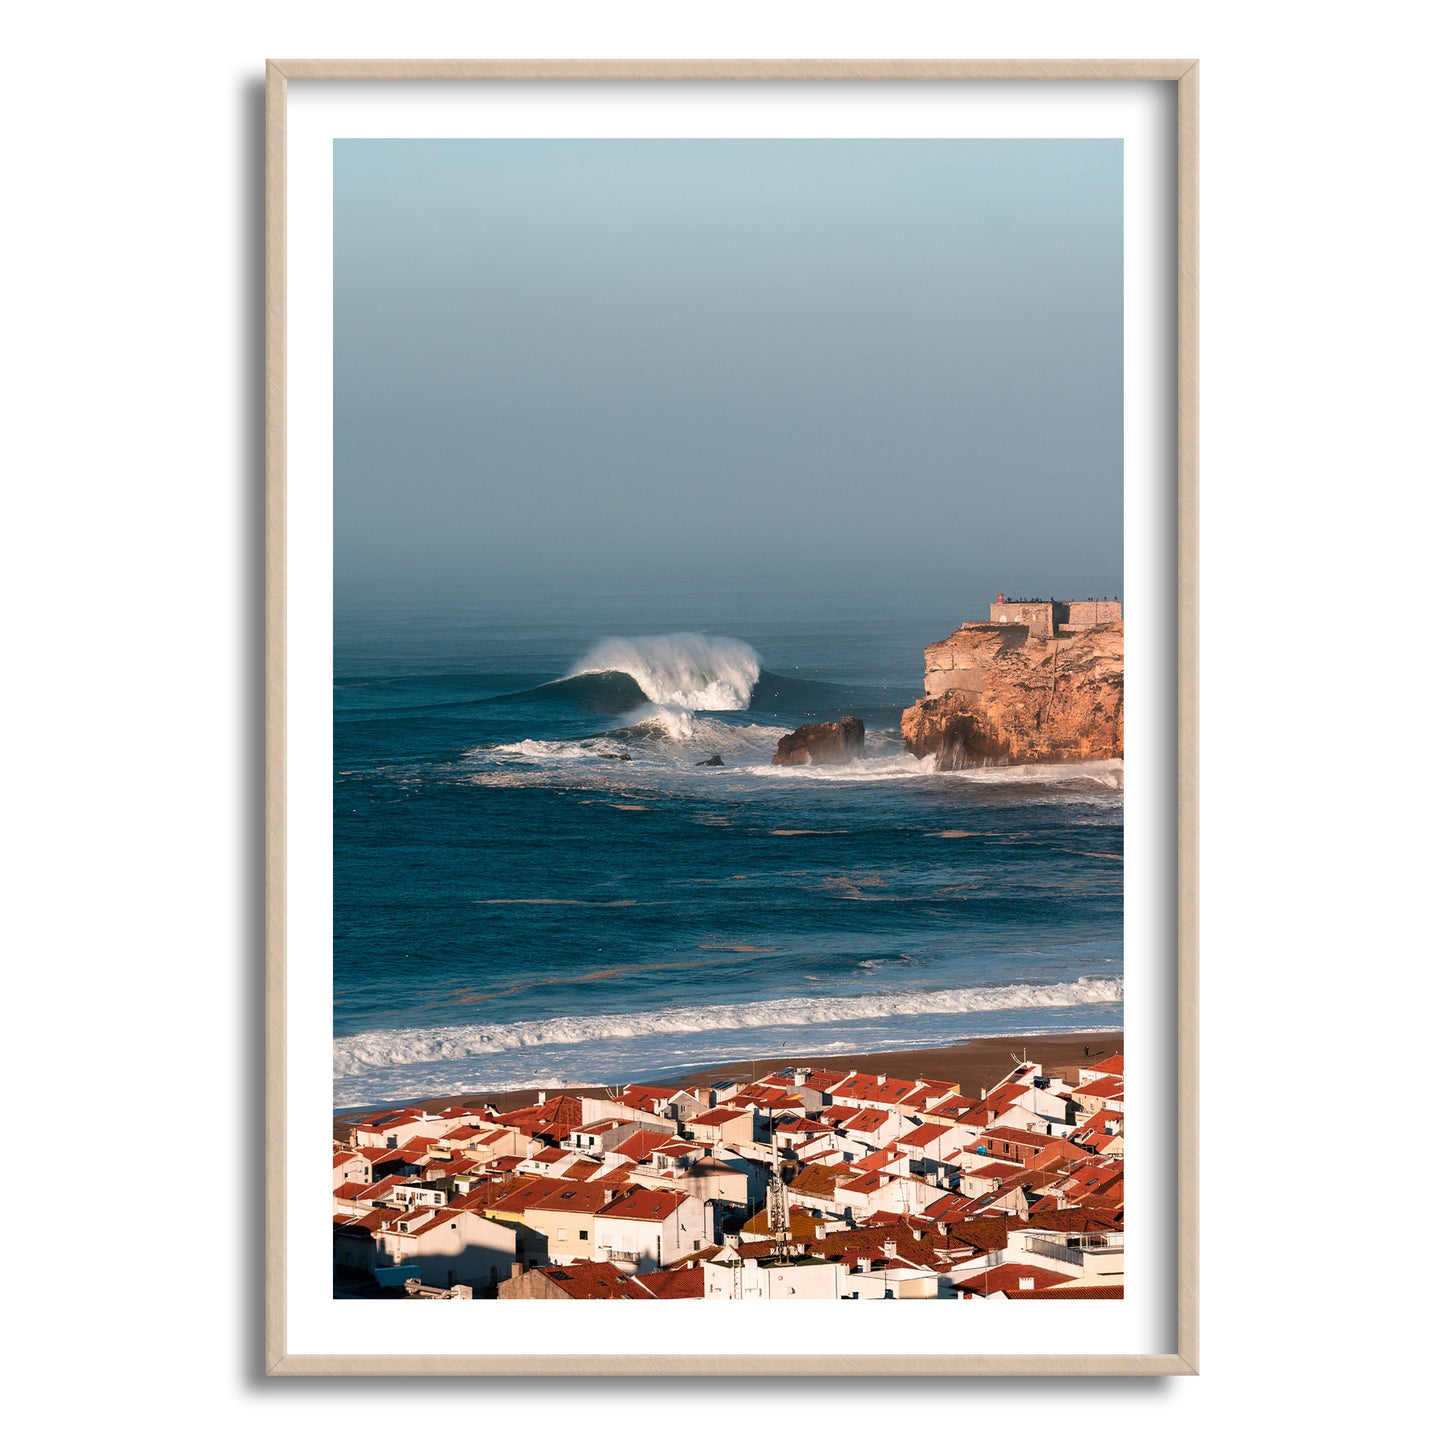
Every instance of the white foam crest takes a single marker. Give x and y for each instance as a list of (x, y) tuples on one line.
[(663, 722), (669, 718), (541, 750), (706, 674), (880, 768), (383, 1048), (1104, 773)]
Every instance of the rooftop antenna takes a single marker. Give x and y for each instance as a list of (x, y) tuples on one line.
[(778, 1215)]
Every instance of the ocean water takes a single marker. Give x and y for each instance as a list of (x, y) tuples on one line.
[(517, 904)]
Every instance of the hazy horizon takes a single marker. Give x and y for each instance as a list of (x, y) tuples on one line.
[(709, 363)]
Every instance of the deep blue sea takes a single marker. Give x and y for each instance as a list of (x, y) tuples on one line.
[(516, 904)]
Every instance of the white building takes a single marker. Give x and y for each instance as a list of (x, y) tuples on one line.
[(647, 1229), (726, 1276), (443, 1247)]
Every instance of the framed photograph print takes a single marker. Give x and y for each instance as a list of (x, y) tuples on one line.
[(705, 502)]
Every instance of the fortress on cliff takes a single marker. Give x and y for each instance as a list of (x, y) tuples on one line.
[(968, 659), (1042, 681), (1047, 618)]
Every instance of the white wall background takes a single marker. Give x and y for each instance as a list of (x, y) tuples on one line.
[(132, 462)]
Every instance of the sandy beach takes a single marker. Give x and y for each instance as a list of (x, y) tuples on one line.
[(974, 1066)]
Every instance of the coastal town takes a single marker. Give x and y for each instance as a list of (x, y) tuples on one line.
[(805, 1183)]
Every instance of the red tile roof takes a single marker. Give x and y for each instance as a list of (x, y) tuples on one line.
[(868, 1183), (527, 1196), (923, 1134), (645, 1097), (874, 1089), (641, 1144), (1006, 1134), (391, 1118), (998, 1169), (424, 1224), (674, 1283), (445, 1170), (819, 1180), (869, 1243), (645, 1204), (1087, 1291), (375, 1219), (1073, 1221), (879, 1159), (821, 1081), (953, 1108), (1007, 1278), (557, 1117), (804, 1126), (377, 1190), (802, 1223), (715, 1117), (983, 1232), (574, 1197), (595, 1281), (947, 1206)]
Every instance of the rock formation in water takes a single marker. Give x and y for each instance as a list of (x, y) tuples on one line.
[(830, 742), (997, 694)]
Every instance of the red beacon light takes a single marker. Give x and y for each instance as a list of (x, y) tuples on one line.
[(1000, 599)]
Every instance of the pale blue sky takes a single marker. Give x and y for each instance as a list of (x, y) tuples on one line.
[(729, 357)]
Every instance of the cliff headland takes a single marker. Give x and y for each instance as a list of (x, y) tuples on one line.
[(1040, 682)]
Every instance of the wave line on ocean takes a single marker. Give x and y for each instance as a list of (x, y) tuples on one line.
[(381, 1048)]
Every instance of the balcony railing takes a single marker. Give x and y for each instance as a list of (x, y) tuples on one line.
[(1052, 1249), (1074, 1254)]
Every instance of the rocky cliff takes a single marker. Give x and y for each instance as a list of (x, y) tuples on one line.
[(996, 696)]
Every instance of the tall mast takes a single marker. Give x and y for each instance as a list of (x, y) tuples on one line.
[(778, 1223)]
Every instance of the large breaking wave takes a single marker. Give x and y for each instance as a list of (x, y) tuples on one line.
[(681, 669)]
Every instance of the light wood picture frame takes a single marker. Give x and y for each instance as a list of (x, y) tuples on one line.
[(1181, 1356)]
